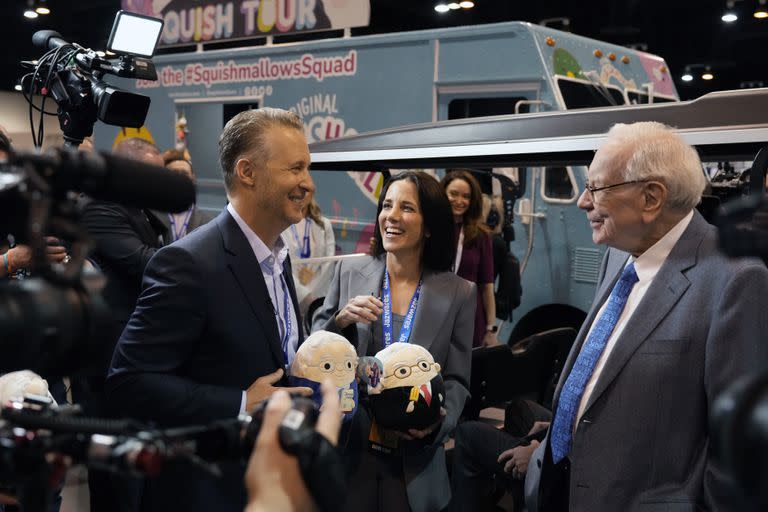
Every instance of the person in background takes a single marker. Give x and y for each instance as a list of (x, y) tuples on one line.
[(474, 250), (312, 237), (673, 324), (431, 307), (181, 223)]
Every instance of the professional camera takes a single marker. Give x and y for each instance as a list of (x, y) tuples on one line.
[(739, 420), (39, 440), (51, 322), (72, 76)]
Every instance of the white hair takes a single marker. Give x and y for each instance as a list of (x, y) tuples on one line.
[(655, 152)]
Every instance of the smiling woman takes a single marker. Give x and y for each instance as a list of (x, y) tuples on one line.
[(405, 293)]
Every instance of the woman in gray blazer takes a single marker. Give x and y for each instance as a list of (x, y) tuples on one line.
[(411, 267)]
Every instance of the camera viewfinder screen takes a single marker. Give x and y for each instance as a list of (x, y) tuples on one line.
[(134, 34)]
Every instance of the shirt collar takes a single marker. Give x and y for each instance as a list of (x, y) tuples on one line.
[(260, 249), (648, 264)]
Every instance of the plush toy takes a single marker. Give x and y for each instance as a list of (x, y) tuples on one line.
[(15, 385), (412, 388), (326, 355)]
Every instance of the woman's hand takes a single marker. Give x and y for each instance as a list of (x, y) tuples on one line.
[(490, 339), (363, 309), (421, 434)]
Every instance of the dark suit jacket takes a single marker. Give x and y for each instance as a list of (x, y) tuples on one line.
[(198, 218), (124, 241), (443, 324), (643, 440), (202, 332)]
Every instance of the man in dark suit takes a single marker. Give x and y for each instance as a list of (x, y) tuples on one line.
[(673, 323), (217, 321)]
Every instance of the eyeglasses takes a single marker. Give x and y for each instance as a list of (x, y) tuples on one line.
[(333, 366), (404, 371), (592, 190)]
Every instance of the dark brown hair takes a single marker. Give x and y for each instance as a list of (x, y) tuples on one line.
[(473, 217), (440, 245)]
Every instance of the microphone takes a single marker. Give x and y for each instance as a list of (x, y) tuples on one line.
[(48, 39), (112, 178)]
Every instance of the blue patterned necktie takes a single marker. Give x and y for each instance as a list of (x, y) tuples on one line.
[(573, 389)]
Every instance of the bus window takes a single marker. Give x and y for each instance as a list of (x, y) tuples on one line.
[(641, 98), (462, 108), (558, 185), (579, 93)]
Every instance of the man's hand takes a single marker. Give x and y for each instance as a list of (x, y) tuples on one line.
[(516, 459), (538, 426), (273, 479), (363, 308), (262, 388), (54, 251), (491, 339)]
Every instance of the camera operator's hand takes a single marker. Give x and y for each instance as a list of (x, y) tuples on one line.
[(262, 388), (273, 479)]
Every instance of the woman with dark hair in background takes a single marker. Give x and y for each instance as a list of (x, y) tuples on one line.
[(474, 250), (411, 269)]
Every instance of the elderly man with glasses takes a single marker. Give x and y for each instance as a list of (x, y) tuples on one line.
[(672, 324)]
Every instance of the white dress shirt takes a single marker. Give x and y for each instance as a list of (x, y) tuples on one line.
[(271, 263), (647, 265)]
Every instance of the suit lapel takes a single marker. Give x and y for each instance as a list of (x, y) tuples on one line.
[(246, 270), (288, 273), (371, 277), (668, 286), (433, 297)]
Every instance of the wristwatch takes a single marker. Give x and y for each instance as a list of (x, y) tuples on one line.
[(492, 328)]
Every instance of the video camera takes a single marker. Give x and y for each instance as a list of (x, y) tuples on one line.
[(39, 440), (72, 76), (739, 422)]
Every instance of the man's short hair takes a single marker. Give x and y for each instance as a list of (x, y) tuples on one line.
[(244, 135), (655, 152), (134, 147)]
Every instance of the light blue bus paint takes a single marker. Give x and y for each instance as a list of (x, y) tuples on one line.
[(398, 79)]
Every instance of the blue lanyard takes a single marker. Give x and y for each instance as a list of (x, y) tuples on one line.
[(183, 231), (386, 320), (287, 316), (305, 250)]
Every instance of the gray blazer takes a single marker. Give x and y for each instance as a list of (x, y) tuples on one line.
[(444, 325), (643, 440)]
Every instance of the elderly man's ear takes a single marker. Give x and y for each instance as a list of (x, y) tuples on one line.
[(654, 199)]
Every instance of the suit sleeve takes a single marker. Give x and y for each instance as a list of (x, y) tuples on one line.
[(459, 360), (116, 239), (325, 316), (161, 335), (735, 347)]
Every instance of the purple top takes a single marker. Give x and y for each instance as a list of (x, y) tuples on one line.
[(477, 266)]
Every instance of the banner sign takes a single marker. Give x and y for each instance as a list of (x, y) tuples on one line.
[(197, 21)]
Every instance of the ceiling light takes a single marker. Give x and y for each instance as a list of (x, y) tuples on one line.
[(441, 8), (466, 4), (687, 77), (453, 6), (29, 13), (760, 13), (729, 17), (17, 87), (707, 75), (100, 53), (43, 10)]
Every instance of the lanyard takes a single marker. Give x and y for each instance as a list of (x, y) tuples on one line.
[(386, 321), (183, 231), (459, 250), (286, 338), (305, 250)]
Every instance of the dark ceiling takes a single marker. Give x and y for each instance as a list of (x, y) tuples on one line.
[(684, 32)]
